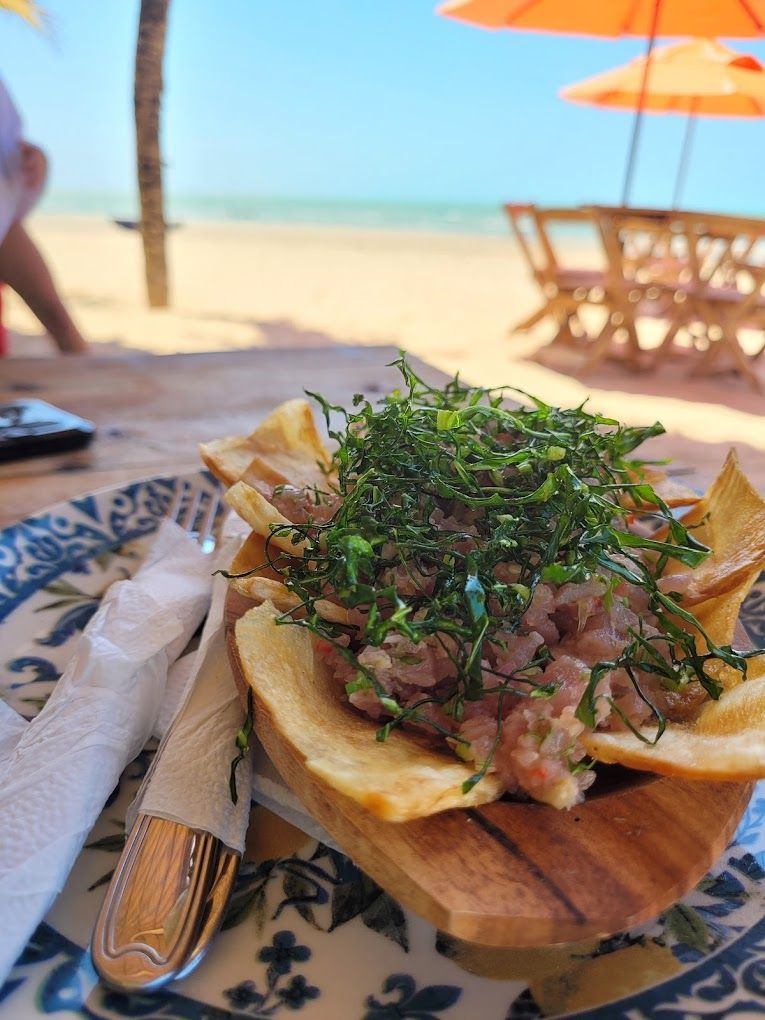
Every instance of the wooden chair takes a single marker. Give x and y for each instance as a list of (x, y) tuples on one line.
[(724, 292), (703, 273), (646, 267), (565, 290)]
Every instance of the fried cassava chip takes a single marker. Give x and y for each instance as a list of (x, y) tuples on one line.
[(298, 703), (262, 516), (730, 519), (285, 449), (726, 740), (672, 492)]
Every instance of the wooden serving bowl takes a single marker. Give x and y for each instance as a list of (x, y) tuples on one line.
[(525, 874)]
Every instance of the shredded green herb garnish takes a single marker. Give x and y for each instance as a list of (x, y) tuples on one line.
[(242, 742), (542, 489)]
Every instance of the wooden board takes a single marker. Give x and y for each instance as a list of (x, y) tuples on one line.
[(513, 874)]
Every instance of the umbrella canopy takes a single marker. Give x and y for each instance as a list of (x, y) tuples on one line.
[(26, 9), (738, 18), (701, 76), (649, 18), (698, 76)]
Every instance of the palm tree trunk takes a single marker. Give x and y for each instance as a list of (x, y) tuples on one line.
[(150, 47)]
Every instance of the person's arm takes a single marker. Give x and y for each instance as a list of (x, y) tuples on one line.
[(34, 174), (23, 268)]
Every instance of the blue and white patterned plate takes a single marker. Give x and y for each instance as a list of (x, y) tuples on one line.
[(307, 932)]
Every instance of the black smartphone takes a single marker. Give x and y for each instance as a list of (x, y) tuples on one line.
[(32, 427)]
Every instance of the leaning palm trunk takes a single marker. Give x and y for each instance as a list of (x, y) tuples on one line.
[(148, 93)]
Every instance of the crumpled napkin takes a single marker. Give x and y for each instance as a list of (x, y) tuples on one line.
[(201, 713), (57, 772), (188, 780)]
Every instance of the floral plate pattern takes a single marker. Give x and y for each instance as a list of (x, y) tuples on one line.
[(307, 932)]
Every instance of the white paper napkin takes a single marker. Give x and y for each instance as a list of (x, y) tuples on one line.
[(11, 728), (178, 678), (270, 790), (268, 787), (188, 781), (57, 772), (197, 755)]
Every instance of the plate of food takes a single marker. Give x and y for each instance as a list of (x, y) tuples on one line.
[(461, 616), (308, 930)]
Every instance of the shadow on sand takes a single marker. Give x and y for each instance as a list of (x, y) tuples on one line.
[(273, 333), (673, 378)]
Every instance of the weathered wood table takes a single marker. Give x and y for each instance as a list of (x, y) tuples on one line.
[(151, 412)]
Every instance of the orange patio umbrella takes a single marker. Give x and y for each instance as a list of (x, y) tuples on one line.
[(26, 9), (651, 18), (700, 76), (739, 18)]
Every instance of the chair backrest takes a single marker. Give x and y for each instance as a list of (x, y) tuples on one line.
[(523, 223), (646, 248), (726, 256), (700, 271), (535, 230), (722, 248)]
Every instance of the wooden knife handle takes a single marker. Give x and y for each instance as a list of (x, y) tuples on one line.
[(164, 904)]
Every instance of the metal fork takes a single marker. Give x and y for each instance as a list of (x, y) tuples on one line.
[(169, 892)]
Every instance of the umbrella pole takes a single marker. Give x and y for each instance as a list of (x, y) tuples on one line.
[(641, 103), (682, 170)]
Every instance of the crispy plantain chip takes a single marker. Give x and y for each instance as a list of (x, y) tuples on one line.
[(297, 703), (731, 521), (256, 580), (285, 449), (255, 509), (725, 742), (251, 557), (674, 493), (264, 589), (727, 738), (227, 458)]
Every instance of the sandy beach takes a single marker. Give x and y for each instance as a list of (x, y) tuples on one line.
[(448, 298)]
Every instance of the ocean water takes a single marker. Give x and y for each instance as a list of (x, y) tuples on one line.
[(450, 217)]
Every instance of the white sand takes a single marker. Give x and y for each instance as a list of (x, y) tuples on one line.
[(448, 298)]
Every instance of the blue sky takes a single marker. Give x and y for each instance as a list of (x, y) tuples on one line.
[(377, 99)]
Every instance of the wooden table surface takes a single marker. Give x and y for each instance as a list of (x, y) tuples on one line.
[(151, 412)]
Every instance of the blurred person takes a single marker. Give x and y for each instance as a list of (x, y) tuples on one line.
[(23, 172)]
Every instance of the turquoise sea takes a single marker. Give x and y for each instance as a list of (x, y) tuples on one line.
[(451, 217), (483, 218)]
